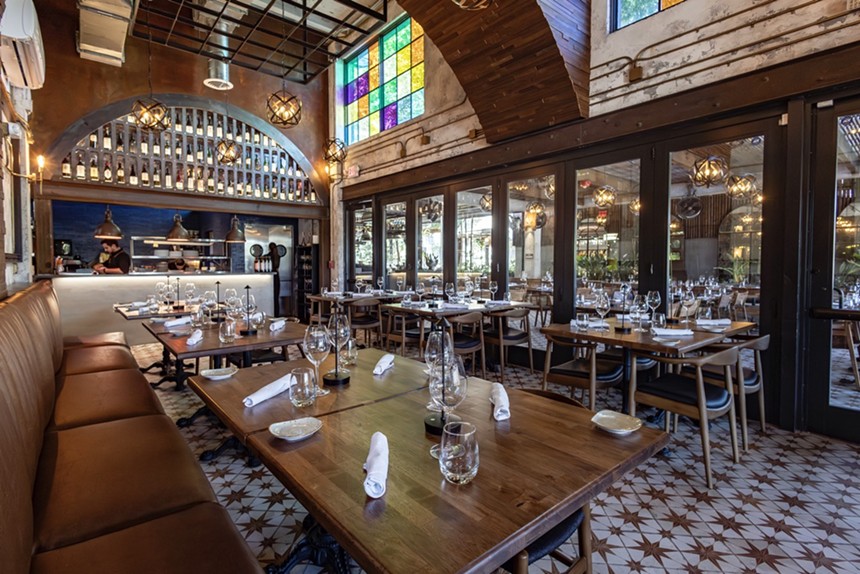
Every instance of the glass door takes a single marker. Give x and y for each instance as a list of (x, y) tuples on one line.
[(394, 266), (360, 238), (429, 217), (531, 239), (474, 235), (833, 389)]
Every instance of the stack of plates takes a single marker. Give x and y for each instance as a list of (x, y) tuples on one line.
[(190, 253), (160, 252)]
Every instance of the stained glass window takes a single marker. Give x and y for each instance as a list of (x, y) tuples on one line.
[(384, 83), (630, 11)]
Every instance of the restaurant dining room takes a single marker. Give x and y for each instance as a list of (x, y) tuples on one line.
[(462, 286)]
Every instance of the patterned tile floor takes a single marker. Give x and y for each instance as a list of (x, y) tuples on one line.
[(791, 505)]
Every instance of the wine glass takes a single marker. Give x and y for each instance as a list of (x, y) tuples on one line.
[(494, 287), (653, 299), (448, 385), (439, 349), (208, 303), (334, 284), (380, 282), (420, 288), (160, 289), (359, 285), (449, 290), (339, 333), (468, 288), (317, 346), (688, 300), (190, 292), (399, 284), (640, 308), (602, 306)]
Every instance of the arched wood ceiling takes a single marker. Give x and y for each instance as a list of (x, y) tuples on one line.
[(523, 63)]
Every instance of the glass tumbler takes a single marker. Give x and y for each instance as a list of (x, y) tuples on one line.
[(582, 321), (303, 391), (458, 455), (227, 330)]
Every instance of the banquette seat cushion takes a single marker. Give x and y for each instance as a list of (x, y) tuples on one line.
[(116, 338)]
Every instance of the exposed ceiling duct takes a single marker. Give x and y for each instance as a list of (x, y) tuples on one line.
[(219, 70), (102, 29)]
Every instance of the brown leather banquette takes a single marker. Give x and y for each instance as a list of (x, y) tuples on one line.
[(94, 477)]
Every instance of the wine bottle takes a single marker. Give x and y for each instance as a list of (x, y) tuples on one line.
[(177, 122), (229, 129), (210, 181), (266, 163), (132, 142), (210, 129), (238, 132), (230, 189), (256, 137), (144, 147), (94, 169), (200, 152), (80, 169), (221, 183), (107, 173), (283, 195), (120, 145), (313, 196), (219, 131), (209, 159), (67, 167), (199, 125), (94, 140), (189, 179), (120, 172), (189, 153), (189, 126), (178, 147), (156, 145), (201, 183), (132, 176), (144, 175), (257, 164), (247, 158), (291, 195), (168, 178), (106, 143), (257, 192), (156, 176), (180, 185)]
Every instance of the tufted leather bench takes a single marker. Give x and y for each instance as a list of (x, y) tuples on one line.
[(95, 477)]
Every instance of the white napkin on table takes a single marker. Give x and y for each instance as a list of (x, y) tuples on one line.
[(272, 389), (195, 337), (621, 317), (592, 323), (277, 325), (672, 332), (177, 322), (713, 322), (447, 305), (335, 293), (133, 304), (384, 363), (501, 404), (376, 466), (497, 303)]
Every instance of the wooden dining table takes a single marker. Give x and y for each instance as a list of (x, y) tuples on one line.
[(536, 469), (174, 340)]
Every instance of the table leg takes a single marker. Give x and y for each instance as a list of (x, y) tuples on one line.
[(163, 364), (319, 547), (217, 361), (230, 443), (247, 360), (188, 421)]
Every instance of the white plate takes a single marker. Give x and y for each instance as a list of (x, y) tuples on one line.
[(616, 423), (667, 341), (295, 430), (712, 329), (219, 374)]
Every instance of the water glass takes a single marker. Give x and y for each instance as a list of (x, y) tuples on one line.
[(458, 455), (349, 352), (506, 297), (659, 321), (703, 313), (198, 317), (303, 391), (582, 321), (227, 330)]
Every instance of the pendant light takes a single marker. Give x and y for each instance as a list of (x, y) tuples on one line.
[(178, 232), (107, 229), (487, 202), (635, 206), (227, 152), (283, 109), (709, 171), (739, 186), (604, 196), (235, 235), (149, 114)]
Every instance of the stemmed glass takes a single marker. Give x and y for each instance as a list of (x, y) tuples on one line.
[(439, 349), (653, 299), (688, 299), (208, 303), (190, 293), (468, 288), (334, 284), (494, 287), (359, 285), (317, 346), (448, 386), (640, 308), (380, 282), (249, 307), (160, 290), (339, 333), (229, 294), (449, 290), (400, 284), (602, 306), (420, 288)]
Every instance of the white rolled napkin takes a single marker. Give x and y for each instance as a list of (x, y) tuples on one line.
[(272, 389), (277, 325), (376, 466), (383, 364), (713, 322), (672, 332), (447, 305), (195, 337), (177, 322), (592, 323), (501, 404), (497, 303)]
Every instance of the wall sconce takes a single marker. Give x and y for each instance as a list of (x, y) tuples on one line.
[(334, 152)]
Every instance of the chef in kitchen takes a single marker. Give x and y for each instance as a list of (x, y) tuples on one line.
[(118, 261)]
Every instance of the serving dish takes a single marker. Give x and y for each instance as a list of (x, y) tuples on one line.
[(295, 430), (616, 423), (219, 374)]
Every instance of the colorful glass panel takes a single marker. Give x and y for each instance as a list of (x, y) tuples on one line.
[(384, 83), (629, 11)]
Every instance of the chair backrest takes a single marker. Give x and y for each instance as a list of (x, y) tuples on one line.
[(725, 301), (555, 397), (473, 318), (740, 297)]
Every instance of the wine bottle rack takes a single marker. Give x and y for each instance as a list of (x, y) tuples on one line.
[(184, 158)]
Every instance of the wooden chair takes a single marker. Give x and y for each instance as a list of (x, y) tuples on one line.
[(366, 315), (317, 315), (503, 336), (724, 306), (738, 308), (747, 381), (402, 327), (264, 356), (548, 544), (587, 372), (693, 397), (467, 334)]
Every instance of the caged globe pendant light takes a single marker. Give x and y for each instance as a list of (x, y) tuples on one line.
[(149, 114)]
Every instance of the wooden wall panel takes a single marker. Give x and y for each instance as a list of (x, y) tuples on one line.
[(520, 73)]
